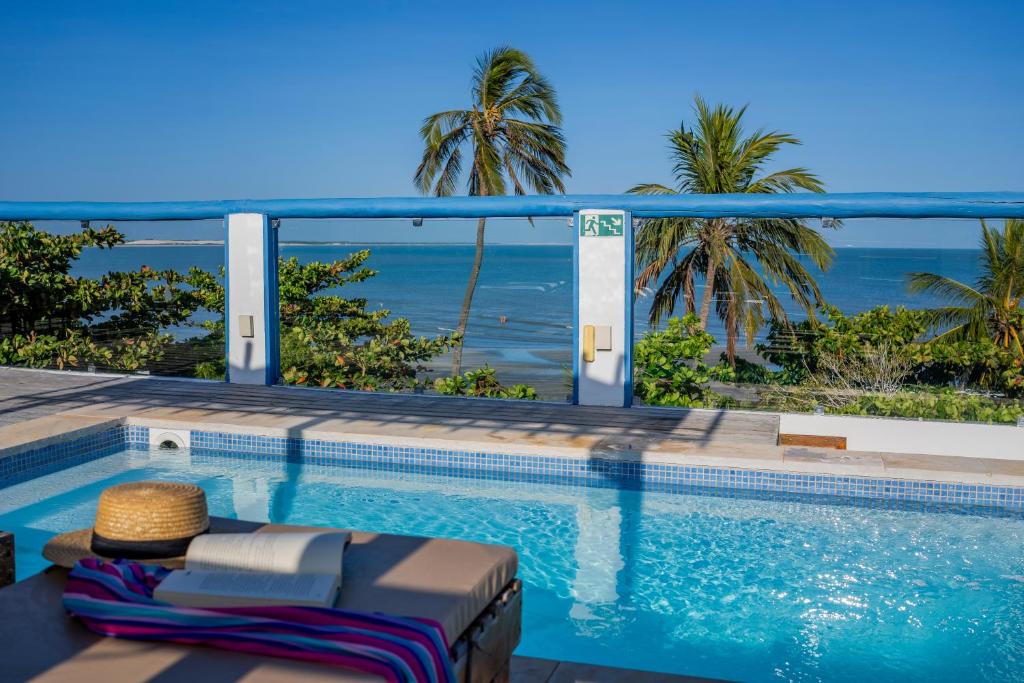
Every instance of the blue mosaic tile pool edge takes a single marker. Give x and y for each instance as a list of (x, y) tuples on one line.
[(600, 472), (532, 468), (60, 455)]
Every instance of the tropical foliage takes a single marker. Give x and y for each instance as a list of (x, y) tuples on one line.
[(509, 138), (991, 309), (738, 259), (799, 349), (943, 404), (482, 383), (328, 340), (670, 367), (50, 318), (868, 364)]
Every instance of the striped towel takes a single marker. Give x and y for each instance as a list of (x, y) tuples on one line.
[(116, 599)]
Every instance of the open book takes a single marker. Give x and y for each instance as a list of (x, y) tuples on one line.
[(239, 570)]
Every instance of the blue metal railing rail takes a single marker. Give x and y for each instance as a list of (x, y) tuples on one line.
[(800, 205), (251, 252)]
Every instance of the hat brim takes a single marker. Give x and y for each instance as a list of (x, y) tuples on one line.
[(68, 548)]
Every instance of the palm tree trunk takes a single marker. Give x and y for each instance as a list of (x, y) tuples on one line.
[(732, 333), (688, 293), (467, 298), (709, 290)]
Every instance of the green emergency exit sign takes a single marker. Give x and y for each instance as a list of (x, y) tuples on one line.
[(601, 225)]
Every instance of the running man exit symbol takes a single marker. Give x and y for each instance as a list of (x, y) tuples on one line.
[(601, 225)]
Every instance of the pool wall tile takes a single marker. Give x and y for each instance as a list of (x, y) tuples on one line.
[(63, 454), (605, 473), (596, 472)]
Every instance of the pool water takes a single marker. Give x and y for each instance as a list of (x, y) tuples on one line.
[(732, 588)]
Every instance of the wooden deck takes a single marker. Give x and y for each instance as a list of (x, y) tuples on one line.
[(28, 394)]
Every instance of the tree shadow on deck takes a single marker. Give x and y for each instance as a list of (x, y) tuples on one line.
[(26, 394)]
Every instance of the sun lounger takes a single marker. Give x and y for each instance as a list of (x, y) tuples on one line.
[(470, 588)]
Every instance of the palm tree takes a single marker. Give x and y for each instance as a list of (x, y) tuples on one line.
[(733, 255), (992, 308), (511, 136)]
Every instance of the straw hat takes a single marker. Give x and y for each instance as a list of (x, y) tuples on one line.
[(149, 521)]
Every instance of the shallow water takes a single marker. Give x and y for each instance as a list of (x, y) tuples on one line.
[(712, 586)]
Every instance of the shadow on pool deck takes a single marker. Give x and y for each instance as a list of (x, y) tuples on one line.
[(28, 394)]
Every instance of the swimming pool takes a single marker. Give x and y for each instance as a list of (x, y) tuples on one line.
[(748, 587)]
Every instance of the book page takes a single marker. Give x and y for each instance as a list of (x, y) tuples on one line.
[(318, 552), (224, 589)]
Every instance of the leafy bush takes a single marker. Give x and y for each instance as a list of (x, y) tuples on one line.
[(328, 340), (482, 383), (746, 372), (670, 368), (49, 318), (801, 350), (980, 363), (798, 348), (937, 405), (331, 341)]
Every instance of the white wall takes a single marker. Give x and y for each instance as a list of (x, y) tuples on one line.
[(247, 357), (894, 435), (602, 297)]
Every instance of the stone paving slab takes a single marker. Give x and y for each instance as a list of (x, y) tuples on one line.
[(26, 394), (43, 405)]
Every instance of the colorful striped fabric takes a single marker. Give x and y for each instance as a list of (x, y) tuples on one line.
[(116, 599)]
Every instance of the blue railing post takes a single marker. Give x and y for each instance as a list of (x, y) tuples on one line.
[(603, 308), (251, 307)]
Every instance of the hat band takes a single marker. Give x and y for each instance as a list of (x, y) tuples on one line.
[(141, 550)]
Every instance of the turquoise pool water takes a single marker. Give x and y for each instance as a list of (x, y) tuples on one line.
[(730, 588)]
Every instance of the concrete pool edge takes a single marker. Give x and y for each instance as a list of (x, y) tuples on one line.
[(655, 450), (929, 479)]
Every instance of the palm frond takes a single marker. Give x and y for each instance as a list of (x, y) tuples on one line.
[(993, 307), (650, 188), (442, 134), (943, 287), (711, 156), (785, 181), (658, 246)]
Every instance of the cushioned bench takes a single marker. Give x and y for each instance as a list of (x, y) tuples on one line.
[(470, 588)]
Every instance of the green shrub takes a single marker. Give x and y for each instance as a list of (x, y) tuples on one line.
[(328, 340), (937, 405), (746, 372), (670, 368), (50, 318), (482, 383), (798, 349)]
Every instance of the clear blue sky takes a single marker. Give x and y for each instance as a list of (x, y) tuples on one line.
[(190, 100)]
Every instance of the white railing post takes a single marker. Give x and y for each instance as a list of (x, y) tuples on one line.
[(603, 308), (251, 308)]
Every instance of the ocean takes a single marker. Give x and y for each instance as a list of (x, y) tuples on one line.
[(530, 287)]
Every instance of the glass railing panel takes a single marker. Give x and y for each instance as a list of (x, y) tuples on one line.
[(904, 319), (112, 297), (518, 336)]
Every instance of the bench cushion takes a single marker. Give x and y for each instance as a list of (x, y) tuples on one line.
[(449, 581)]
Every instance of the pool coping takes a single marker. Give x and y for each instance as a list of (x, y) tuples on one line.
[(44, 431), (974, 482)]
